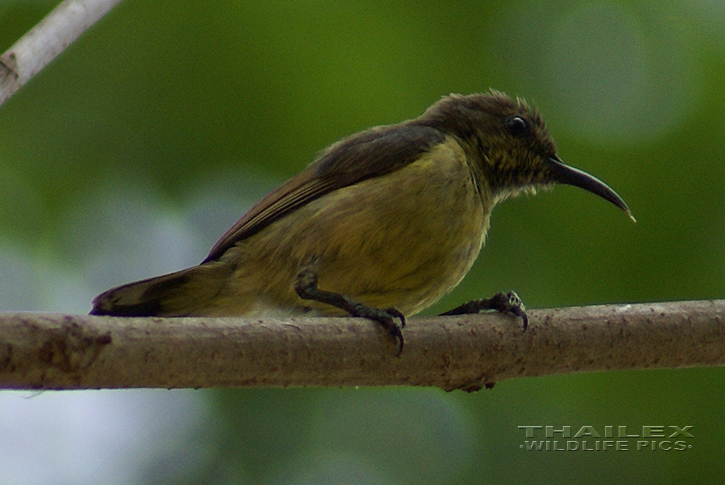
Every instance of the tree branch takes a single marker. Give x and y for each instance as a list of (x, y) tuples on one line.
[(46, 40), (51, 351)]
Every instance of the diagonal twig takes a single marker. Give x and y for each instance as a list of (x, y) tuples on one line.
[(45, 41)]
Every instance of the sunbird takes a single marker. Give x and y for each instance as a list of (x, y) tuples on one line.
[(381, 225)]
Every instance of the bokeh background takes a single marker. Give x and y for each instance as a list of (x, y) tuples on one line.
[(133, 151)]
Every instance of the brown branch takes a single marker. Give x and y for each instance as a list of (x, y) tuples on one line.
[(46, 40), (51, 351)]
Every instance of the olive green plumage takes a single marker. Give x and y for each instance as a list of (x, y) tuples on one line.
[(392, 217)]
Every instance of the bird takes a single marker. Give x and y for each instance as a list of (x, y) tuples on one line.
[(381, 225)]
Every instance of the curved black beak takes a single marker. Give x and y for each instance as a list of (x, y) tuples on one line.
[(564, 174)]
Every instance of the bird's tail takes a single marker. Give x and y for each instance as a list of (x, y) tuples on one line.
[(173, 295)]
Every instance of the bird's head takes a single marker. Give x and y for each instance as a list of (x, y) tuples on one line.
[(510, 143)]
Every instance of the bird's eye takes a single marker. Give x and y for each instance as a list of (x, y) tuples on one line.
[(517, 125)]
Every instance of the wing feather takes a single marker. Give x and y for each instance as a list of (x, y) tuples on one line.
[(371, 153)]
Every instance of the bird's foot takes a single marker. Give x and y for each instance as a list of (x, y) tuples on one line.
[(502, 302), (306, 288)]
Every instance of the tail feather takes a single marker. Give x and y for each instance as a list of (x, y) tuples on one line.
[(172, 295)]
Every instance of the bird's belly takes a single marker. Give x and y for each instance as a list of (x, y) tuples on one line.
[(401, 240)]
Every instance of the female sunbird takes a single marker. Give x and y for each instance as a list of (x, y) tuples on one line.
[(381, 225)]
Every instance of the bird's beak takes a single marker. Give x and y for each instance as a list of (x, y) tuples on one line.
[(564, 174)]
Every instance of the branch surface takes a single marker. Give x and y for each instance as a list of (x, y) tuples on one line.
[(46, 40), (468, 352)]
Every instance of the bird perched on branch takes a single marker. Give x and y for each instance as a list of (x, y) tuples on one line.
[(381, 225)]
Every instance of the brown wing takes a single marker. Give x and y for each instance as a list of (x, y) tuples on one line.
[(368, 154)]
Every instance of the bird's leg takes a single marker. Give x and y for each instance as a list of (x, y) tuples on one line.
[(503, 302), (306, 288)]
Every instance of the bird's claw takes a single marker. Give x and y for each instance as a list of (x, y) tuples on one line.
[(514, 306), (386, 318), (502, 302)]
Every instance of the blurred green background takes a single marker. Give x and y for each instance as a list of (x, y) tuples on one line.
[(133, 151)]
